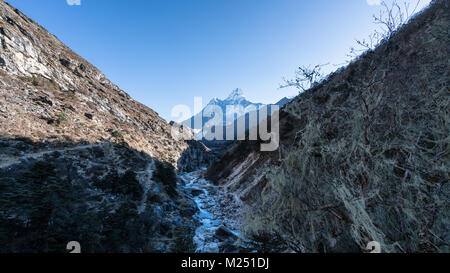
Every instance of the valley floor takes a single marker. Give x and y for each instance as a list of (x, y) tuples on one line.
[(219, 216)]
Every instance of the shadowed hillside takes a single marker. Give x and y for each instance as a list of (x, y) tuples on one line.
[(80, 160), (108, 197), (364, 155), (49, 93)]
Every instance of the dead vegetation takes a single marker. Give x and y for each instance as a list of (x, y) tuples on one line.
[(38, 81), (372, 161), (306, 77), (391, 17)]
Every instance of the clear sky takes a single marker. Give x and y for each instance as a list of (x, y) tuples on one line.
[(165, 52)]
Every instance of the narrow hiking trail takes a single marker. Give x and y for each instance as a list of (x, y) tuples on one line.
[(219, 216), (219, 213), (5, 162), (148, 175)]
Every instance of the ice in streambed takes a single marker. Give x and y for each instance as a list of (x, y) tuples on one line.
[(214, 214)]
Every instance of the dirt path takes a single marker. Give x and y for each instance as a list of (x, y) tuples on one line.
[(6, 162), (148, 174)]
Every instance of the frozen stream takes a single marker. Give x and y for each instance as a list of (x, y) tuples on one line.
[(218, 215)]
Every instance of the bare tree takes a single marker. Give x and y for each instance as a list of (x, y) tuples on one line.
[(306, 77), (393, 15), (390, 18)]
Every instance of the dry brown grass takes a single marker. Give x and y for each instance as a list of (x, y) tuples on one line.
[(372, 162)]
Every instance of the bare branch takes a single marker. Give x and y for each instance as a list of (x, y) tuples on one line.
[(390, 18), (306, 77)]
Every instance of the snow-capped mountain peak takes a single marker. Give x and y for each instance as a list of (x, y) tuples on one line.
[(236, 99), (236, 95), (213, 101)]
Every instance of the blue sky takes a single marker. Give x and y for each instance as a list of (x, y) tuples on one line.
[(165, 52)]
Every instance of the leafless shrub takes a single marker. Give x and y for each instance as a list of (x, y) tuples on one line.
[(374, 166), (306, 77), (391, 17), (378, 181)]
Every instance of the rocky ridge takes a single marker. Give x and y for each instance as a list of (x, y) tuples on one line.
[(50, 94), (80, 160)]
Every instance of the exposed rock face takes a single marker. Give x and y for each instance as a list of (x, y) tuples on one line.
[(79, 159), (364, 156), (49, 93)]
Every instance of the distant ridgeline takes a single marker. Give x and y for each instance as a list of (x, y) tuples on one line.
[(235, 114)]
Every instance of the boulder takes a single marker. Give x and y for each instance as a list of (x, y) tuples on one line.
[(224, 233)]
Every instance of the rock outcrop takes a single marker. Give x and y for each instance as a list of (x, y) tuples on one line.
[(80, 160), (50, 94)]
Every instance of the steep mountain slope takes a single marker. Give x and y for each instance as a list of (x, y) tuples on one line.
[(108, 197), (79, 159), (49, 93), (364, 156)]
